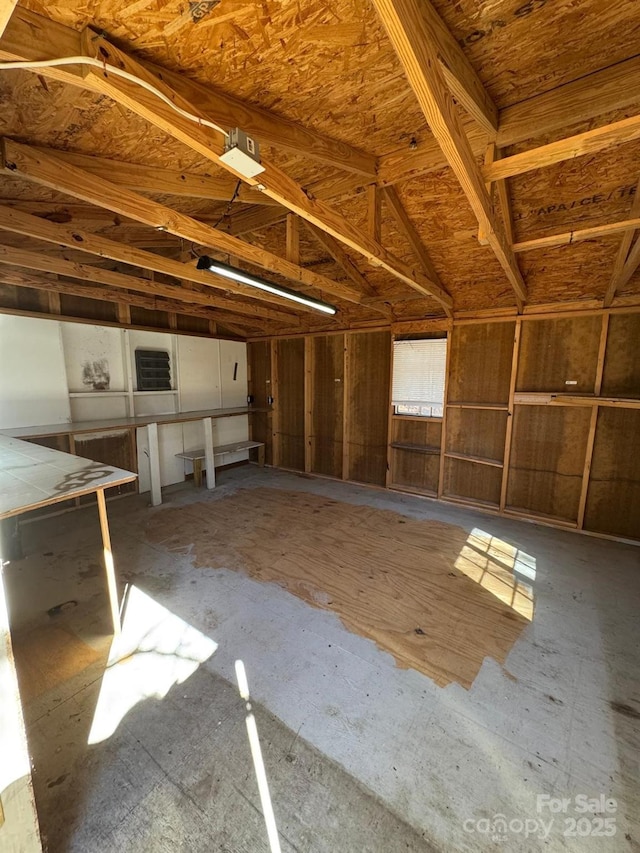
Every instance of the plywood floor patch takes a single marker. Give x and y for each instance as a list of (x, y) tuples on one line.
[(438, 599)]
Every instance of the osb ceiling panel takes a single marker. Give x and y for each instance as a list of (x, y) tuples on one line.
[(330, 66)]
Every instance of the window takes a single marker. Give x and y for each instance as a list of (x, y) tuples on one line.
[(153, 370), (418, 377)]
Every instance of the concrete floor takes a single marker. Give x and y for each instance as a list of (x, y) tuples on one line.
[(360, 755)]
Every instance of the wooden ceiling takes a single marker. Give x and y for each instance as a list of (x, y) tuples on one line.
[(422, 160)]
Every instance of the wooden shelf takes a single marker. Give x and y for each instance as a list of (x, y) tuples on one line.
[(526, 398), (414, 448), (76, 394), (498, 407), (481, 460), (422, 418)]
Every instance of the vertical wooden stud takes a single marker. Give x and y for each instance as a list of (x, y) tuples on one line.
[(510, 414), (308, 403), (389, 474), (293, 238), (209, 458), (374, 212), (346, 408), (275, 419), (597, 387), (443, 435)]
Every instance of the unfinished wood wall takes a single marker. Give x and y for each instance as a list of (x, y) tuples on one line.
[(541, 417)]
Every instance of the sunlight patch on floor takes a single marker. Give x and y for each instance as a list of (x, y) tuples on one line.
[(155, 650), (500, 568)]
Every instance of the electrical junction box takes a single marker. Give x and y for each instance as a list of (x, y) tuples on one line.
[(242, 153)]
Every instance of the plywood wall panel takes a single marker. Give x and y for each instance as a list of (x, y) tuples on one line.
[(290, 402), (327, 404), (477, 432), (621, 377), (473, 481), (111, 449), (369, 360), (554, 352), (613, 499), (412, 467), (547, 460), (480, 362), (259, 370)]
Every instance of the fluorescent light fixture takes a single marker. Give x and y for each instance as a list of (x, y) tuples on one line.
[(217, 267)]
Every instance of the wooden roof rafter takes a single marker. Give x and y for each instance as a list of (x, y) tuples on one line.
[(414, 44), (30, 36), (26, 162), (16, 277), (209, 143)]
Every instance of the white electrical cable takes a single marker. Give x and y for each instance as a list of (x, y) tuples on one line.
[(118, 72)]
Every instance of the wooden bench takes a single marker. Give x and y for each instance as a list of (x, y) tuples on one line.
[(198, 456)]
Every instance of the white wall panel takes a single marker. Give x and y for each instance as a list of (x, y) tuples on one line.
[(33, 384), (199, 374), (89, 346), (233, 363)]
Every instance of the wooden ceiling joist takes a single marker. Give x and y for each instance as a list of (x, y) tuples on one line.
[(589, 142), (84, 272), (54, 287), (613, 88), (414, 45), (32, 36), (277, 185), (566, 238), (460, 76), (48, 171), (17, 222), (140, 178)]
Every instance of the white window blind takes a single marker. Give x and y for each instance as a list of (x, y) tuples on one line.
[(418, 377)]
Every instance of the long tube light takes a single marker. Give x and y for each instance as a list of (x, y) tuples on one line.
[(207, 263)]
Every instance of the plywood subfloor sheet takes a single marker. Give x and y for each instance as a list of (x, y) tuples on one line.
[(438, 599)]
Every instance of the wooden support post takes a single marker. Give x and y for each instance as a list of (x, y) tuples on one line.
[(293, 239), (593, 423), (154, 464), (308, 403), (374, 212), (275, 407), (108, 562), (443, 434), (209, 459), (515, 358), (346, 409), (389, 473), (54, 302), (123, 313)]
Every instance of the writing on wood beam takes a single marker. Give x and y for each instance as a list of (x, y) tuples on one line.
[(32, 36), (413, 42), (566, 238), (84, 272), (392, 200), (16, 222), (122, 300), (208, 143), (619, 276), (48, 171), (162, 181)]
